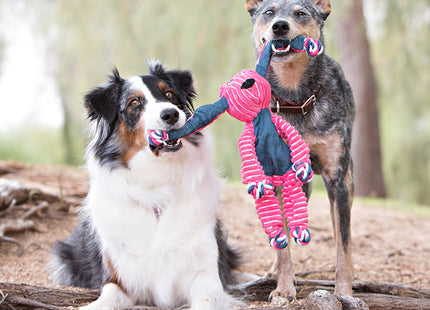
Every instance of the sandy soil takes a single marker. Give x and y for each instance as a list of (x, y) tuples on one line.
[(388, 246)]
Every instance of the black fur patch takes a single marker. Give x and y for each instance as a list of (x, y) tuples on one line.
[(102, 102), (81, 255), (228, 259), (180, 81)]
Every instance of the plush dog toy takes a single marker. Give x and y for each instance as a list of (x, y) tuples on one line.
[(267, 160)]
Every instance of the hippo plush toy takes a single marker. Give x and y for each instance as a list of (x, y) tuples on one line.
[(272, 151)]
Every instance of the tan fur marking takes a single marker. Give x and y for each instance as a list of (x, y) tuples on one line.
[(349, 184), (259, 31), (252, 4), (112, 270), (163, 87), (290, 73), (113, 273), (328, 150), (136, 94), (324, 5), (311, 30), (134, 141)]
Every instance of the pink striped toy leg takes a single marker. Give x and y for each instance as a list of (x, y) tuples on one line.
[(296, 209), (270, 215)]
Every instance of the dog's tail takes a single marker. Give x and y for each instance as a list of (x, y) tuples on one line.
[(229, 259), (78, 259)]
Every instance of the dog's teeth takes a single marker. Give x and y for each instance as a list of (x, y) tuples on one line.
[(274, 49)]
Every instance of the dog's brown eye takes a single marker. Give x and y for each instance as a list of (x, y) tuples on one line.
[(134, 103), (168, 94), (300, 13)]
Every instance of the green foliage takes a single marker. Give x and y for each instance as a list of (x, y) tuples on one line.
[(34, 145), (409, 209), (403, 67)]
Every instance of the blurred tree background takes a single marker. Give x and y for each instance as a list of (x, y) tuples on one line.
[(82, 40)]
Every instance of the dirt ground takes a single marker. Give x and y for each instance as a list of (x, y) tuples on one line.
[(388, 246)]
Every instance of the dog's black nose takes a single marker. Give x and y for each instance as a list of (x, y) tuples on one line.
[(170, 116), (280, 28)]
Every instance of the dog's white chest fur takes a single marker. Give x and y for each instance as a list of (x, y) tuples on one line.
[(157, 256)]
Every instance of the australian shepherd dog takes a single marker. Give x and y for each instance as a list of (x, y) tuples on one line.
[(148, 230)]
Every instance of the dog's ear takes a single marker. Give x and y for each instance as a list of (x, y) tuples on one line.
[(102, 101), (183, 82), (252, 5), (324, 6)]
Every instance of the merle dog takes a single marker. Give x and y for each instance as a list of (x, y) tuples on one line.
[(313, 95)]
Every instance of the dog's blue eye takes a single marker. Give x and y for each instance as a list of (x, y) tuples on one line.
[(269, 12)]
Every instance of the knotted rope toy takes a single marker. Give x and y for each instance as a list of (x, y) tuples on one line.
[(311, 46), (272, 151)]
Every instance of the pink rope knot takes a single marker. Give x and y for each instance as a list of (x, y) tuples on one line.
[(301, 235), (258, 189), (156, 137), (303, 171), (279, 242), (313, 47)]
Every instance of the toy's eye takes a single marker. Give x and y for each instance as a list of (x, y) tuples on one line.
[(247, 84), (134, 103), (169, 94)]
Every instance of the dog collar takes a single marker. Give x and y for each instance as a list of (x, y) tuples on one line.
[(286, 106)]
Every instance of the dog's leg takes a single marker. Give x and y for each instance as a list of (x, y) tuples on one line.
[(283, 271), (332, 159), (111, 298), (285, 291), (340, 192)]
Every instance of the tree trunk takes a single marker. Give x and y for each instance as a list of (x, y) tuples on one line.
[(356, 63)]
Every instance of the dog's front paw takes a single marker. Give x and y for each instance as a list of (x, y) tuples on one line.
[(111, 298), (97, 306), (285, 292), (279, 299)]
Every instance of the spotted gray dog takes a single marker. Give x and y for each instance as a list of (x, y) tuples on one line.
[(313, 95)]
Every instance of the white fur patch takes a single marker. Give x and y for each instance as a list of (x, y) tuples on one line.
[(171, 259), (152, 119)]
